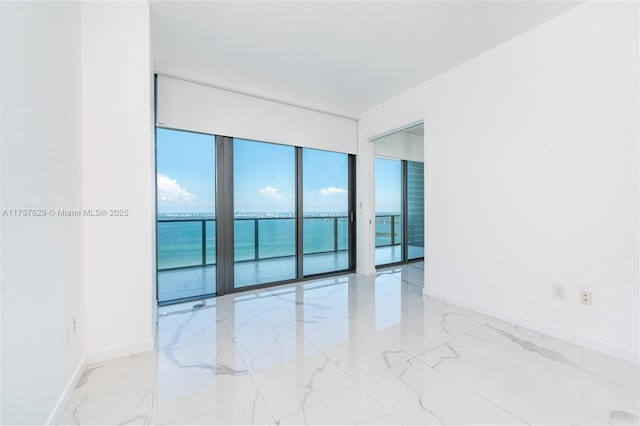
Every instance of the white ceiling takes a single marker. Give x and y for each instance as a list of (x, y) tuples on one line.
[(343, 57)]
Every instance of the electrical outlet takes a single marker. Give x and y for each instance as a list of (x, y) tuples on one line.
[(74, 325), (558, 292), (585, 297)]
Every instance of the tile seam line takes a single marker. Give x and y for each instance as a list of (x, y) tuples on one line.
[(462, 384)]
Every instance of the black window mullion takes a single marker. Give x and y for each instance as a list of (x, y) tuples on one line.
[(224, 215), (405, 211), (352, 212)]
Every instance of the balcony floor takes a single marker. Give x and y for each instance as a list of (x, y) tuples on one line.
[(195, 281), (393, 254), (188, 282)]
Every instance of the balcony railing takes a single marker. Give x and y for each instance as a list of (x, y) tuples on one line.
[(388, 230), (191, 242)]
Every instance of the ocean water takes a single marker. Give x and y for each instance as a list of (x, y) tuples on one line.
[(180, 243)]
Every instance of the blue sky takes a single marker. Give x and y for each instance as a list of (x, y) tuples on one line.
[(264, 177), (186, 172), (325, 181)]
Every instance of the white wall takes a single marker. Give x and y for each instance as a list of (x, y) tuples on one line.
[(76, 131), (365, 208), (532, 176), (415, 147), (41, 257), (118, 174)]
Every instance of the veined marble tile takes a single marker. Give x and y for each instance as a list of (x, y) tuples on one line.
[(365, 354), (416, 265), (415, 393), (414, 274), (290, 371), (413, 288), (176, 329), (388, 281), (207, 383), (249, 313), (296, 384), (118, 392), (540, 379), (310, 302), (598, 364), (328, 291), (351, 406), (271, 343), (231, 402), (425, 323), (314, 301), (359, 300), (326, 332), (341, 350)]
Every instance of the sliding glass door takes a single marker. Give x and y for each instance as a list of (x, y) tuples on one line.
[(264, 199), (325, 180), (235, 214)]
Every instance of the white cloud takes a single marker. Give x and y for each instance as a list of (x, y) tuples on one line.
[(170, 191), (332, 190), (271, 192)]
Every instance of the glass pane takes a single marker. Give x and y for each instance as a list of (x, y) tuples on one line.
[(264, 177), (388, 194), (244, 230), (211, 242), (318, 235), (326, 203), (397, 230), (275, 238), (415, 209), (383, 230), (343, 233), (186, 214), (179, 244)]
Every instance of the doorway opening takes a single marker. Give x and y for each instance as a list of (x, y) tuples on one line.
[(399, 197)]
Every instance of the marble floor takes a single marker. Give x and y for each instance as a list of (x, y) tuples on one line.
[(351, 350)]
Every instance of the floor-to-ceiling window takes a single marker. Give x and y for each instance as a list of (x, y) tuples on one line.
[(325, 211), (186, 238), (283, 213), (264, 200)]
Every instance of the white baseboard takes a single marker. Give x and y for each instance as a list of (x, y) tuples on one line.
[(56, 414), (549, 330), (120, 351)]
